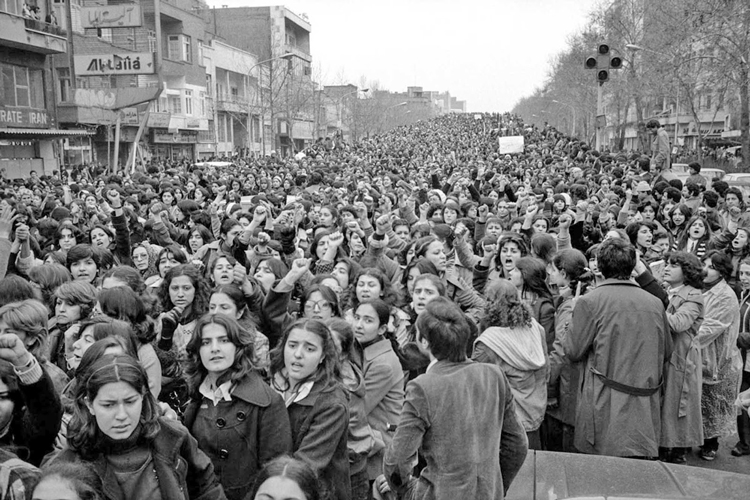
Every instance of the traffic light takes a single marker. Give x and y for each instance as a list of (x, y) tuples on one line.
[(603, 63), (602, 75), (615, 63), (590, 63)]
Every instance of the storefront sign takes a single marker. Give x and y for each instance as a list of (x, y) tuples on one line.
[(19, 117), (111, 16), (125, 63), (114, 98), (130, 116), (181, 137), (158, 120)]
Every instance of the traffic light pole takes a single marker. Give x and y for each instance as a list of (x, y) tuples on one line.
[(599, 116), (602, 63)]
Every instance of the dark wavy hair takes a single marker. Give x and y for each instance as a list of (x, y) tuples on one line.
[(175, 251), (295, 470), (78, 293), (328, 294), (445, 328), (244, 354), (692, 268), (84, 435), (48, 278), (506, 238), (382, 310), (504, 308), (575, 265), (329, 370), (534, 272), (105, 326), (128, 275), (721, 262), (124, 304), (634, 228), (199, 307)]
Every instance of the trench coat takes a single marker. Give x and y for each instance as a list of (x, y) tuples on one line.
[(461, 417), (241, 435), (621, 333), (681, 421)]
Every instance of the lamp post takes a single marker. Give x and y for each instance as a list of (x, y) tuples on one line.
[(573, 131), (385, 112), (339, 102), (286, 55)]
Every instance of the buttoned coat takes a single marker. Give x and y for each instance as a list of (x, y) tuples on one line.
[(681, 421), (461, 417), (621, 333), (241, 435), (384, 395)]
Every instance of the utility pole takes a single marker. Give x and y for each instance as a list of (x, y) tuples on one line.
[(603, 63)]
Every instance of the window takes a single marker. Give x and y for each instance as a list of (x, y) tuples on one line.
[(105, 34), (63, 80), (234, 93), (22, 87), (162, 106), (9, 6), (209, 85), (202, 103), (200, 52), (175, 105), (179, 48), (151, 41), (189, 102), (188, 49)]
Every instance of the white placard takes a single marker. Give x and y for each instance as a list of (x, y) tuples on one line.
[(511, 144)]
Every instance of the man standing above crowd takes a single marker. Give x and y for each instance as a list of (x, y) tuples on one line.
[(622, 334), (661, 150)]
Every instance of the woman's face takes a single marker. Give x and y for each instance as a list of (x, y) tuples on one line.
[(232, 234), (55, 488), (648, 213), (317, 307), (320, 251), (325, 218), (368, 288), (509, 254), (539, 226), (644, 237), (223, 272), (559, 205), (265, 276), (697, 229), (221, 303), (99, 238), (673, 274), (678, 218), (112, 282), (366, 324), (117, 410), (557, 277), (140, 258), (356, 244), (611, 235), (80, 346), (217, 351), (424, 292), (341, 273), (303, 353), (67, 240), (711, 273), (740, 240), (181, 292), (167, 198), (450, 215), (167, 262), (91, 202), (436, 254), (190, 185), (84, 270), (195, 241), (745, 276), (66, 312), (280, 487)]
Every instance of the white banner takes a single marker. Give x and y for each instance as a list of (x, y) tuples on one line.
[(510, 145)]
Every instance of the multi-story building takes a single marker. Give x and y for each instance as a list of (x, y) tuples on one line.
[(281, 40), (168, 81), (29, 134)]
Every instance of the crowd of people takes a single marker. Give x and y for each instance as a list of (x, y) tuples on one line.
[(403, 317)]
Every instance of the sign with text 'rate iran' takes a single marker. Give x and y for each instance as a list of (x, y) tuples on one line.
[(126, 63)]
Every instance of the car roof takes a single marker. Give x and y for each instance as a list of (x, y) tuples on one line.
[(546, 475)]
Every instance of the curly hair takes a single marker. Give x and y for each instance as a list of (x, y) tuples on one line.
[(387, 292), (721, 262), (124, 304), (199, 306), (682, 242), (78, 293), (506, 238), (504, 308), (242, 365), (329, 370), (48, 278), (84, 435), (534, 272), (692, 269)]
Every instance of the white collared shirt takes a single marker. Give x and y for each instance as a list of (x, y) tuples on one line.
[(216, 394)]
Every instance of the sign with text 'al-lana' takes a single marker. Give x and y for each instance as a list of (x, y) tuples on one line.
[(111, 16), (20, 117), (126, 63)]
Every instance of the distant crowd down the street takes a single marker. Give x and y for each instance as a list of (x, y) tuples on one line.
[(371, 319)]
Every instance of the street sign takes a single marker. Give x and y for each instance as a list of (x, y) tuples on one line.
[(123, 63)]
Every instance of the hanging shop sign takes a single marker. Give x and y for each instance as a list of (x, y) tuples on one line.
[(124, 63), (112, 16), (18, 117)]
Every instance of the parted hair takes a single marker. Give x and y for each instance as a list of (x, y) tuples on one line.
[(30, 317), (84, 435), (78, 293), (242, 339)]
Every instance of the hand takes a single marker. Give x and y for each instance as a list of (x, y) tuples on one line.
[(483, 211), (382, 224), (423, 208), (582, 205), (174, 315), (335, 239), (734, 213), (565, 221), (22, 232), (532, 210), (353, 226), (361, 210), (7, 217), (13, 350), (114, 198), (628, 193), (167, 412), (259, 215), (299, 268), (263, 239)]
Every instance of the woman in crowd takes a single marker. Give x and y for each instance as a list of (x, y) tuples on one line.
[(682, 426), (530, 279), (229, 300), (305, 370), (696, 238), (238, 420), (287, 477), (137, 454)]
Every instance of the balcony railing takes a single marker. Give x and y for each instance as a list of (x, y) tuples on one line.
[(33, 24)]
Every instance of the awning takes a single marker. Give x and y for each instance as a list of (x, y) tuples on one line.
[(46, 132)]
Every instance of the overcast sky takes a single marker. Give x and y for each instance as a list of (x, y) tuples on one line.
[(487, 52)]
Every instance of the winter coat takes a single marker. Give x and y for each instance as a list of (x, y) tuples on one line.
[(184, 472), (681, 421), (521, 354), (241, 435), (461, 417), (564, 376), (622, 334)]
